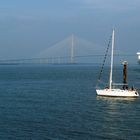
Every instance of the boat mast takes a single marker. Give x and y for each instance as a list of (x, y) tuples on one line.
[(112, 53)]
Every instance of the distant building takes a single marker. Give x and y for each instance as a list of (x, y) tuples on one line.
[(138, 53)]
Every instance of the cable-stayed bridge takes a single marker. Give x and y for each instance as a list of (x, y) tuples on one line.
[(70, 50)]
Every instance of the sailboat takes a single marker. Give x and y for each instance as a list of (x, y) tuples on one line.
[(111, 91)]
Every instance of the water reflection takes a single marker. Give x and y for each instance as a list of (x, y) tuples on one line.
[(116, 116)]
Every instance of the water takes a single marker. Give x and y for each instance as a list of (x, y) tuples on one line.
[(60, 103)]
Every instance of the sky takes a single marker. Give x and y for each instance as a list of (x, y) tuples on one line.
[(29, 26)]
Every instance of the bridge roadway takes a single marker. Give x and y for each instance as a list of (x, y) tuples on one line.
[(63, 60)]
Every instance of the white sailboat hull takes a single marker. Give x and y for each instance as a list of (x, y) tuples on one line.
[(117, 93), (138, 53)]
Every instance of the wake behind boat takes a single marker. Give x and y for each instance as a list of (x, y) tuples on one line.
[(111, 91)]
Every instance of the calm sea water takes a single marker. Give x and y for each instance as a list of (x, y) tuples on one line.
[(60, 103)]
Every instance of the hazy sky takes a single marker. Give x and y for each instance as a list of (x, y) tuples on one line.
[(29, 26)]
